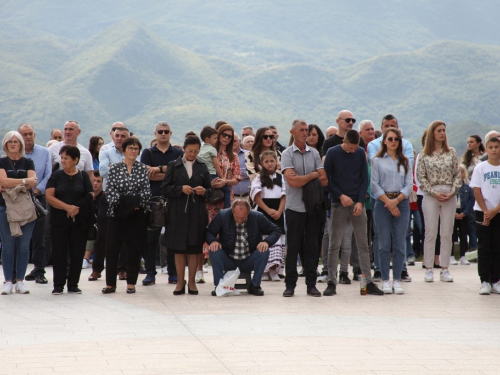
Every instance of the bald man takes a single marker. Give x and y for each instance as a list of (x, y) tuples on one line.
[(345, 121)]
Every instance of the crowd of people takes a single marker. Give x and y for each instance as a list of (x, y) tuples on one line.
[(346, 197)]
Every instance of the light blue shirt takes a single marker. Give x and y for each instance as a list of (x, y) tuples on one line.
[(376, 144), (243, 186), (43, 165), (110, 155), (386, 178)]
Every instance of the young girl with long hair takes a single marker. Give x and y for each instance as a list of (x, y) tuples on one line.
[(268, 192)]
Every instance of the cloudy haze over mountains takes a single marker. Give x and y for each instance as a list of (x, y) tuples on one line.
[(194, 62)]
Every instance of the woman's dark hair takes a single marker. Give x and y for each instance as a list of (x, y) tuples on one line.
[(131, 142), (229, 147), (467, 156), (189, 133), (402, 159), (192, 140), (93, 144), (72, 151), (321, 136), (265, 176), (258, 145)]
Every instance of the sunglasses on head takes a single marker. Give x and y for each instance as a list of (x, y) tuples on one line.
[(163, 131), (228, 136), (268, 136), (393, 139), (349, 119)]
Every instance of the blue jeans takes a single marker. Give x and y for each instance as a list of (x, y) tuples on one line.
[(391, 232), (225, 190), (376, 263), (416, 223), (221, 262), (9, 245)]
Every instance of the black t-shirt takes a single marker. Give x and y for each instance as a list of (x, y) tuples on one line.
[(22, 166), (335, 140), (70, 190), (154, 158)]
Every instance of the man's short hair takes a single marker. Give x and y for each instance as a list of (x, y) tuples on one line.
[(352, 137), (53, 130), (162, 123), (388, 118), (97, 174), (490, 135), (241, 202), (272, 127), (207, 132), (73, 121), (297, 122), (25, 124), (363, 123), (493, 140)]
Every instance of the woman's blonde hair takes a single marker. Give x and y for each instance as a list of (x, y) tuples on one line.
[(429, 140), (8, 137), (463, 168)]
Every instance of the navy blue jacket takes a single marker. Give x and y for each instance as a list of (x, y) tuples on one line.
[(466, 199), (223, 224)]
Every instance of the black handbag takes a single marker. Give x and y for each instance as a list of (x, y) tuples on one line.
[(158, 217), (127, 205), (216, 197)]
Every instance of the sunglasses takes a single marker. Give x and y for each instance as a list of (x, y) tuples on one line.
[(267, 136), (228, 136), (163, 132), (395, 139), (349, 119)]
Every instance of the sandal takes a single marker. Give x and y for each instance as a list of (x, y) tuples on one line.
[(131, 290)]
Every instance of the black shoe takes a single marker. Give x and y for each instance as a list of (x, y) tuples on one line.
[(108, 290), (255, 290), (344, 278), (214, 294), (313, 291), (31, 276), (57, 290), (131, 290), (179, 292), (330, 290), (373, 289), (405, 277), (377, 276), (289, 292), (40, 279), (74, 290), (437, 265)]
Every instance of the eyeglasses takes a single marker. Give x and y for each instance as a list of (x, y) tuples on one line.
[(395, 139), (192, 151), (13, 142), (267, 136), (228, 136), (135, 149), (163, 132), (349, 119)]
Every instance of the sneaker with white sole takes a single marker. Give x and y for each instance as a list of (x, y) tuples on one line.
[(265, 277), (322, 279), (429, 276), (274, 276), (164, 270), (386, 287), (199, 278), (205, 268), (21, 288), (446, 276), (453, 261), (7, 288), (464, 261), (396, 287), (85, 264), (495, 288), (485, 288)]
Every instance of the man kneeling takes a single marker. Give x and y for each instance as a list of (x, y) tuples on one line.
[(240, 232)]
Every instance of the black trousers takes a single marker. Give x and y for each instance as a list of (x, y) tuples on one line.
[(68, 242), (38, 255), (488, 254), (100, 248), (302, 231), (460, 231), (152, 254), (133, 233)]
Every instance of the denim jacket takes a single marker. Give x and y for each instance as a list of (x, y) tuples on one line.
[(466, 198)]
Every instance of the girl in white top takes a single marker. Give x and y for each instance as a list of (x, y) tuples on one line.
[(268, 192)]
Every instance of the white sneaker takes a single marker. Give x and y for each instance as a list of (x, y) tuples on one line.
[(274, 277), (464, 261), (205, 268), (453, 261), (7, 288), (265, 277), (322, 279), (199, 277), (396, 286), (386, 287), (164, 270), (21, 288), (429, 276), (85, 264), (495, 288), (445, 276), (485, 288)]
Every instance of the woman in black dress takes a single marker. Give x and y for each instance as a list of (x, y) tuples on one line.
[(187, 186), (69, 193)]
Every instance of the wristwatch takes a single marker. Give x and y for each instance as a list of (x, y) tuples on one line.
[(24, 181)]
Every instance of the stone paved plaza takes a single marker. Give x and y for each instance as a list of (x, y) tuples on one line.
[(438, 328)]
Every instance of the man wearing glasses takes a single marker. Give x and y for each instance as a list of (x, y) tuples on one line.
[(345, 121), (156, 159)]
